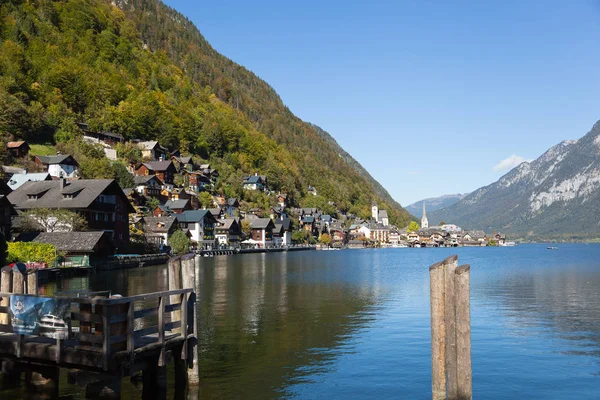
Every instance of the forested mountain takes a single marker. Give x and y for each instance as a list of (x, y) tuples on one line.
[(434, 203), (139, 68), (556, 196)]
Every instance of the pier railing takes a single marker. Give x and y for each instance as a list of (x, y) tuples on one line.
[(107, 333)]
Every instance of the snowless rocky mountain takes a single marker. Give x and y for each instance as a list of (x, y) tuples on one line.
[(556, 196), (434, 203)]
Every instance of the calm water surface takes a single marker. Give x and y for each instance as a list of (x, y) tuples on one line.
[(355, 323)]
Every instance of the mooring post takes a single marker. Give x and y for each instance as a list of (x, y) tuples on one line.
[(438, 332), (19, 280), (5, 287), (450, 265), (32, 287), (174, 278), (463, 332), (450, 330), (188, 269)]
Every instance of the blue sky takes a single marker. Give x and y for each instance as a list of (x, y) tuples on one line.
[(429, 96)]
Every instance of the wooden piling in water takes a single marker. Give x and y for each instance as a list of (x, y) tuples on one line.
[(438, 332), (5, 287), (188, 280), (450, 265), (463, 332), (450, 330)]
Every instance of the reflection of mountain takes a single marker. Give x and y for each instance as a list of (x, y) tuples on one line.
[(567, 301), (267, 321)]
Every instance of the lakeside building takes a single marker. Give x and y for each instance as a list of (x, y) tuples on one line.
[(101, 202), (201, 226), (261, 231), (228, 232)]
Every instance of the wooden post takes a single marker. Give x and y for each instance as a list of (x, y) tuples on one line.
[(174, 278), (450, 265), (5, 287), (32, 287), (19, 280), (188, 269), (463, 332), (438, 332)]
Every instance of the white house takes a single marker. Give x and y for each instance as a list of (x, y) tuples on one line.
[(201, 226), (59, 166)]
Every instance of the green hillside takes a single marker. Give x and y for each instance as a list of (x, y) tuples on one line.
[(145, 71)]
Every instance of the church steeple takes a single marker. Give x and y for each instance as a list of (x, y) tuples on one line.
[(424, 222)]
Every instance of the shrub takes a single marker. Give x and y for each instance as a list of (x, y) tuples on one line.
[(28, 251)]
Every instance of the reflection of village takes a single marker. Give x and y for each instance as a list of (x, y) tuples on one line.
[(379, 233)]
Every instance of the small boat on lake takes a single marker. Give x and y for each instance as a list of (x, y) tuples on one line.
[(552, 248)]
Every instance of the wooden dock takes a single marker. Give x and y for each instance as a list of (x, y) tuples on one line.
[(109, 337)]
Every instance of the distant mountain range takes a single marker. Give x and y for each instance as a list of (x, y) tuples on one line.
[(556, 196), (434, 203)]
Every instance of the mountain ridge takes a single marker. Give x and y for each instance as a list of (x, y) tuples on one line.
[(556, 196), (434, 203)]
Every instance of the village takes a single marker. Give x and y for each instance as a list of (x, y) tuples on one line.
[(172, 199)]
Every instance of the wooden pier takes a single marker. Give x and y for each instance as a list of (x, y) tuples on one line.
[(109, 337)]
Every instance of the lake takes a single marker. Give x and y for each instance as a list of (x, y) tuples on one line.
[(355, 323)]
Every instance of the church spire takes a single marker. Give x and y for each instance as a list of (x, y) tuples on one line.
[(424, 222)]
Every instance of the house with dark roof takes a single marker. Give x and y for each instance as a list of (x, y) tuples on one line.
[(109, 138), (255, 182), (178, 206), (201, 226), (261, 231), (147, 185), (282, 233), (101, 202), (158, 230), (183, 163), (89, 246), (308, 223), (196, 181), (18, 149), (228, 232), (58, 166), (164, 170)]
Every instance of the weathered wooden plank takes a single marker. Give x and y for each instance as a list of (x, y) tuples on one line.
[(130, 328), (32, 282), (450, 265), (145, 332), (105, 337), (184, 327), (188, 270), (438, 332), (147, 312), (463, 333), (161, 330)]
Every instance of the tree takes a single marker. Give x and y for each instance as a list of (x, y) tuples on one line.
[(179, 242), (325, 239), (152, 203), (246, 227), (442, 223), (299, 237), (206, 200), (122, 176), (413, 226), (48, 220), (493, 243)]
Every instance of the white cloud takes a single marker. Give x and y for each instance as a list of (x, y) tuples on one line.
[(510, 162)]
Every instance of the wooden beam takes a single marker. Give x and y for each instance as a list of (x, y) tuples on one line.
[(463, 333), (438, 332), (450, 265)]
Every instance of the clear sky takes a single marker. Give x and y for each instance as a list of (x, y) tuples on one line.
[(431, 97)]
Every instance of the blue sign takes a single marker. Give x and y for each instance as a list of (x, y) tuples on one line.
[(42, 316)]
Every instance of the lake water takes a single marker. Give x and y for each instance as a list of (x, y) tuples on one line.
[(355, 323)]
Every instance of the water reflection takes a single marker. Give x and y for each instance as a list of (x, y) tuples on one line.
[(265, 327)]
